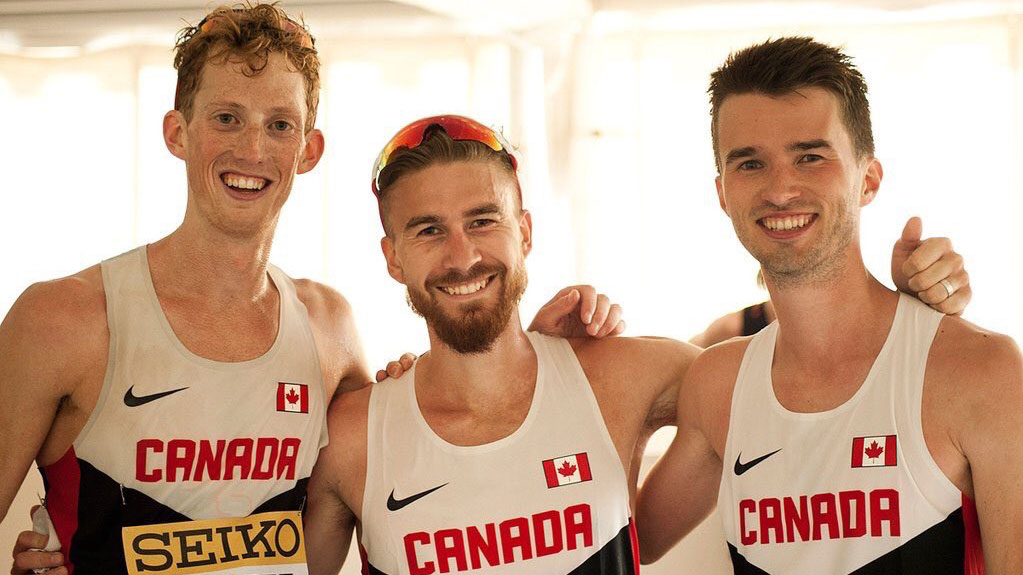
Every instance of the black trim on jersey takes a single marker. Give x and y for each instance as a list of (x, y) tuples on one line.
[(939, 550), (96, 546), (614, 558)]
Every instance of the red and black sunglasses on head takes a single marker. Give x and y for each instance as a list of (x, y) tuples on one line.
[(456, 127)]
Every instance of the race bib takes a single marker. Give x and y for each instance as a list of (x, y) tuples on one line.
[(263, 544)]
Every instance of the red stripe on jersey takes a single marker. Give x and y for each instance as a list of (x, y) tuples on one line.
[(365, 559), (63, 480), (634, 537), (973, 556)]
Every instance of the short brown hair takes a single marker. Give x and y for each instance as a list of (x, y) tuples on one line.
[(781, 66), (438, 147), (249, 33)]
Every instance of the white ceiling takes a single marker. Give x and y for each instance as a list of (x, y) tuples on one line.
[(46, 23)]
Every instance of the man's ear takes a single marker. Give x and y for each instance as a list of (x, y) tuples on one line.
[(393, 265), (721, 194), (175, 133), (313, 151), (526, 229), (871, 181)]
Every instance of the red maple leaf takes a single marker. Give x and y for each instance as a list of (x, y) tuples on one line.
[(566, 469), (292, 397), (874, 450)]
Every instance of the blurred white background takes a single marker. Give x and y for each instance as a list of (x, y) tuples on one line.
[(606, 102)]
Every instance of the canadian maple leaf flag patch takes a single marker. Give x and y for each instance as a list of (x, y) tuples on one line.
[(875, 451), (292, 397), (567, 469)]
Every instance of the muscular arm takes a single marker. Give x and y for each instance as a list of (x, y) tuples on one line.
[(328, 522), (985, 400), (337, 484), (636, 382), (52, 336), (681, 489)]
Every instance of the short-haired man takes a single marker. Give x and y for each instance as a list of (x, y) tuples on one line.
[(188, 380), (498, 449), (862, 432)]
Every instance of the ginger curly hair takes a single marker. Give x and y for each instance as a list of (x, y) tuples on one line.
[(247, 33)]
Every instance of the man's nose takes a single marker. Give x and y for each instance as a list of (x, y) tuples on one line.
[(251, 144), (462, 252)]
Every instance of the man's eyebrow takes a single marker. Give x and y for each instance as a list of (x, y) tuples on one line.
[(276, 110), (739, 154), (483, 210), (420, 220), (225, 104), (810, 145)]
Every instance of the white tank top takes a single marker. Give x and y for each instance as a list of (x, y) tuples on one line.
[(178, 438), (852, 489), (549, 498)]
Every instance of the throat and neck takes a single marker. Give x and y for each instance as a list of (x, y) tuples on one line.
[(216, 295), (474, 399), (213, 268), (829, 335)]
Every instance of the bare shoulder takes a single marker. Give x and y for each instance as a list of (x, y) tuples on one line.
[(348, 417), (714, 371), (705, 399), (635, 380), (323, 302), (337, 337), (65, 316), (974, 363)]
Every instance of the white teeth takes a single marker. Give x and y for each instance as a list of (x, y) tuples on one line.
[(465, 289), (787, 222), (244, 182)]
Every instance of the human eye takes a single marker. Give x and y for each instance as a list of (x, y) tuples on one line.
[(810, 158), (224, 118), (482, 223), (281, 125), (428, 231), (749, 165)]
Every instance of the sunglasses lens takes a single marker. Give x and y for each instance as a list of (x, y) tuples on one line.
[(456, 127)]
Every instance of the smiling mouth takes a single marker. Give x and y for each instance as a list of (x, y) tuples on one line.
[(467, 288), (243, 183), (786, 223)]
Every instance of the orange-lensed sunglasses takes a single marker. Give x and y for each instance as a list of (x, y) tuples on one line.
[(457, 127)]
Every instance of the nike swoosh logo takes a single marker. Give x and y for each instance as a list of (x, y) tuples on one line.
[(396, 504), (132, 400), (741, 468)]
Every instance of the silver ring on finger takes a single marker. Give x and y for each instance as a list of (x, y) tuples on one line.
[(949, 288)]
